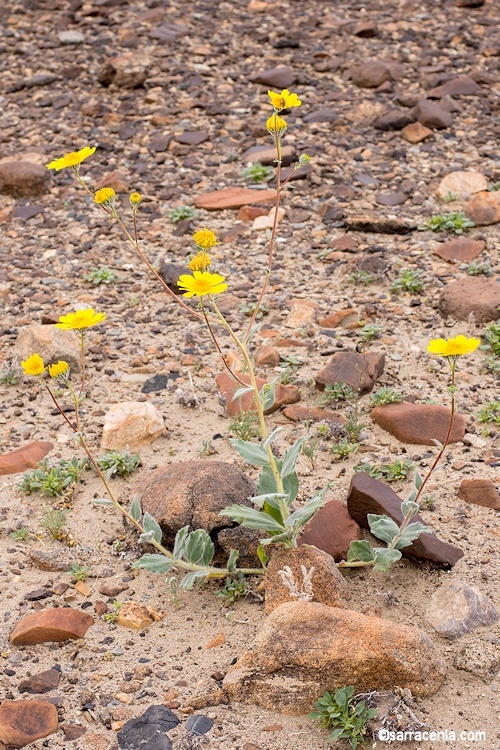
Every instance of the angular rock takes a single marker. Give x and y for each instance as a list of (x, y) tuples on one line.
[(469, 3), (484, 208), (357, 370), (42, 682), (325, 584), (249, 213), (192, 493), (418, 424), (461, 86), (369, 495), (371, 74), (23, 722), (51, 560), (148, 730), (302, 312), (472, 294), (27, 457), (219, 200), (415, 132), (457, 608), (112, 588), (280, 77), (267, 155), (51, 343), (170, 273), (463, 250), (394, 119), (462, 184), (306, 648), (130, 424), (192, 137), (267, 356), (480, 658), (247, 541), (128, 71), (479, 492), (116, 180), (392, 199), (332, 529), (321, 115), (284, 394), (137, 616), (73, 732), (365, 29), (431, 115), (348, 318), (379, 224), (299, 413), (51, 625), (23, 179), (198, 724)]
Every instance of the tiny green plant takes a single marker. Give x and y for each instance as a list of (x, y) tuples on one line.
[(9, 377), (207, 448), (491, 338), (20, 535), (429, 502), (495, 186), (249, 309), (118, 463), (182, 212), (452, 222), (360, 277), (112, 617), (79, 572), (257, 172), (337, 392), (397, 470), (244, 425), (408, 280), (54, 521), (492, 364), (310, 448), (450, 197), (370, 332), (354, 426), (490, 412), (344, 449), (370, 469), (236, 588), (475, 268), (100, 275), (53, 481), (173, 589), (347, 717), (386, 395)]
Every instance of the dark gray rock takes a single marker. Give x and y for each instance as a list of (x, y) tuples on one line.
[(148, 732)]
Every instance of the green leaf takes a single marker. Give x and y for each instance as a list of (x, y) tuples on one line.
[(412, 532), (252, 453), (382, 527), (360, 551), (291, 486), (334, 735), (103, 501), (180, 539), (155, 563), (409, 508), (241, 392), (291, 457), (150, 524), (146, 538), (232, 560), (189, 580), (268, 394), (261, 554), (301, 516), (199, 548), (384, 558), (252, 519), (135, 508), (417, 479), (271, 498), (285, 536)]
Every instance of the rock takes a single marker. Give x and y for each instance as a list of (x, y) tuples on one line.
[(461, 86), (170, 273), (457, 608), (51, 625), (42, 682), (130, 424), (418, 424), (249, 213), (148, 730), (219, 200), (394, 119), (27, 457), (321, 115), (484, 208), (284, 394), (112, 588), (365, 29), (479, 492), (371, 74), (302, 313), (471, 294), (299, 413), (392, 199), (267, 155), (462, 184), (71, 36), (305, 648), (357, 370), (332, 529), (192, 137), (137, 616), (23, 722), (245, 540), (480, 658), (415, 132), (431, 115), (23, 179), (51, 560), (280, 77), (72, 732), (369, 495), (51, 343), (128, 71), (267, 356), (463, 250), (326, 584), (267, 221), (168, 32), (341, 319), (468, 3), (192, 493), (116, 180), (219, 640), (379, 224), (198, 724)]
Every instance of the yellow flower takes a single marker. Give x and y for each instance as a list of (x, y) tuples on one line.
[(33, 365), (73, 159), (453, 347), (284, 100), (205, 239), (105, 196), (59, 369), (135, 199), (80, 319), (201, 283), (276, 124), (200, 262)]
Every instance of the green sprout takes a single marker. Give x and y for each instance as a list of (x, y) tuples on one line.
[(370, 469), (207, 448), (491, 338), (182, 212), (257, 172), (360, 277), (79, 572), (397, 470), (370, 332), (54, 521), (452, 222), (347, 717), (118, 463), (386, 395), (337, 392), (244, 425), (408, 281), (450, 197), (9, 377), (20, 535), (53, 481), (475, 268), (343, 449), (236, 588), (112, 617), (100, 275), (495, 186), (490, 412)]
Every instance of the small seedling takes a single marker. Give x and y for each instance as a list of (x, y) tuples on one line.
[(370, 469), (452, 222), (100, 275), (360, 277), (248, 310), (345, 715), (450, 197), (54, 521), (182, 212), (491, 338), (207, 448), (55, 481), (429, 502), (236, 588), (370, 332), (494, 187), (354, 426), (310, 448), (408, 281), (490, 412), (9, 377), (173, 589), (244, 426), (119, 463), (257, 172), (344, 449), (475, 268), (492, 365), (397, 470), (386, 395), (79, 572), (112, 617), (337, 392), (20, 535)]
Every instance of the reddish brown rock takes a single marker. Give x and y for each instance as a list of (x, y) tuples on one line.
[(341, 319), (24, 458), (463, 249), (365, 29), (280, 77), (369, 495), (218, 200), (357, 370), (471, 294), (116, 180), (284, 394), (379, 224), (267, 356), (305, 648), (432, 116), (55, 624), (267, 155), (461, 86), (479, 492), (310, 569), (128, 71), (73, 732), (371, 74), (23, 722), (415, 132), (469, 3), (249, 213), (484, 208), (137, 616), (332, 529), (42, 682), (418, 424), (299, 413), (23, 179)]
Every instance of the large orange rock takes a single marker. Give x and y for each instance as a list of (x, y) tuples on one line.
[(463, 249), (484, 208), (218, 200), (332, 529), (24, 458), (228, 386), (306, 648), (23, 722), (55, 624), (418, 424)]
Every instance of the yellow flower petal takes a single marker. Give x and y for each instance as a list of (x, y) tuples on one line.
[(73, 159), (80, 319), (284, 100), (202, 283), (200, 262), (456, 347), (205, 238), (104, 196), (276, 124), (33, 365), (58, 369)]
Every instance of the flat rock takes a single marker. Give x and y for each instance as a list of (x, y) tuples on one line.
[(218, 200), (73, 732), (51, 343), (280, 77), (394, 119), (51, 560), (360, 371), (267, 356), (462, 183), (484, 208), (23, 179), (300, 413), (170, 273), (462, 250), (148, 730), (311, 572), (267, 155), (51, 625), (471, 294), (302, 313), (332, 529), (479, 492), (227, 385), (457, 608), (392, 199), (131, 424), (347, 318), (432, 115), (369, 495), (371, 74), (305, 648), (461, 86), (27, 457), (415, 132), (418, 424), (379, 224), (23, 722), (469, 3), (42, 682), (137, 616), (321, 115), (192, 137), (128, 71)]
